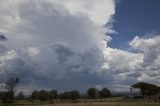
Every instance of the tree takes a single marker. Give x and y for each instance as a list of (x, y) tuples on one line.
[(34, 95), (43, 95), (6, 97), (20, 96), (146, 89), (91, 92), (62, 96), (104, 93), (66, 95), (10, 86), (74, 95), (53, 94)]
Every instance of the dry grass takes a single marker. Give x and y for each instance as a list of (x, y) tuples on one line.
[(106, 104)]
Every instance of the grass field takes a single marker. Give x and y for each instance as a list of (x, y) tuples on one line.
[(116, 101), (100, 104), (107, 104)]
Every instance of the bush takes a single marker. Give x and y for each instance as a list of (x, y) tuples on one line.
[(6, 97)]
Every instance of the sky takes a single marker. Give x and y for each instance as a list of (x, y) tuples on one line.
[(77, 44), (134, 17)]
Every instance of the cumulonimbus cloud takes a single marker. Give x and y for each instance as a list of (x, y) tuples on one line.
[(63, 44), (54, 40)]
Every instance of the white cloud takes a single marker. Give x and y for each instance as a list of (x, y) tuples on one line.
[(54, 40), (128, 67), (37, 22), (52, 43), (123, 61), (150, 47)]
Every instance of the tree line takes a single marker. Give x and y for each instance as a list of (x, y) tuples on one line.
[(146, 89), (91, 93), (52, 95)]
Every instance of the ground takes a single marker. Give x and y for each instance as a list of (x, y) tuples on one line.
[(107, 104)]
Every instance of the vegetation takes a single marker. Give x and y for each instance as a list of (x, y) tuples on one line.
[(104, 93), (20, 96), (8, 97), (92, 94), (44, 95), (72, 95), (147, 89), (53, 94)]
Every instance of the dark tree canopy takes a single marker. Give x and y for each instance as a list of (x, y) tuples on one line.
[(43, 95), (34, 95), (20, 96), (73, 95), (6, 97), (91, 92), (53, 94), (104, 93), (146, 89)]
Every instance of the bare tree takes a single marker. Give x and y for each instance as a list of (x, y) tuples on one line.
[(10, 86)]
